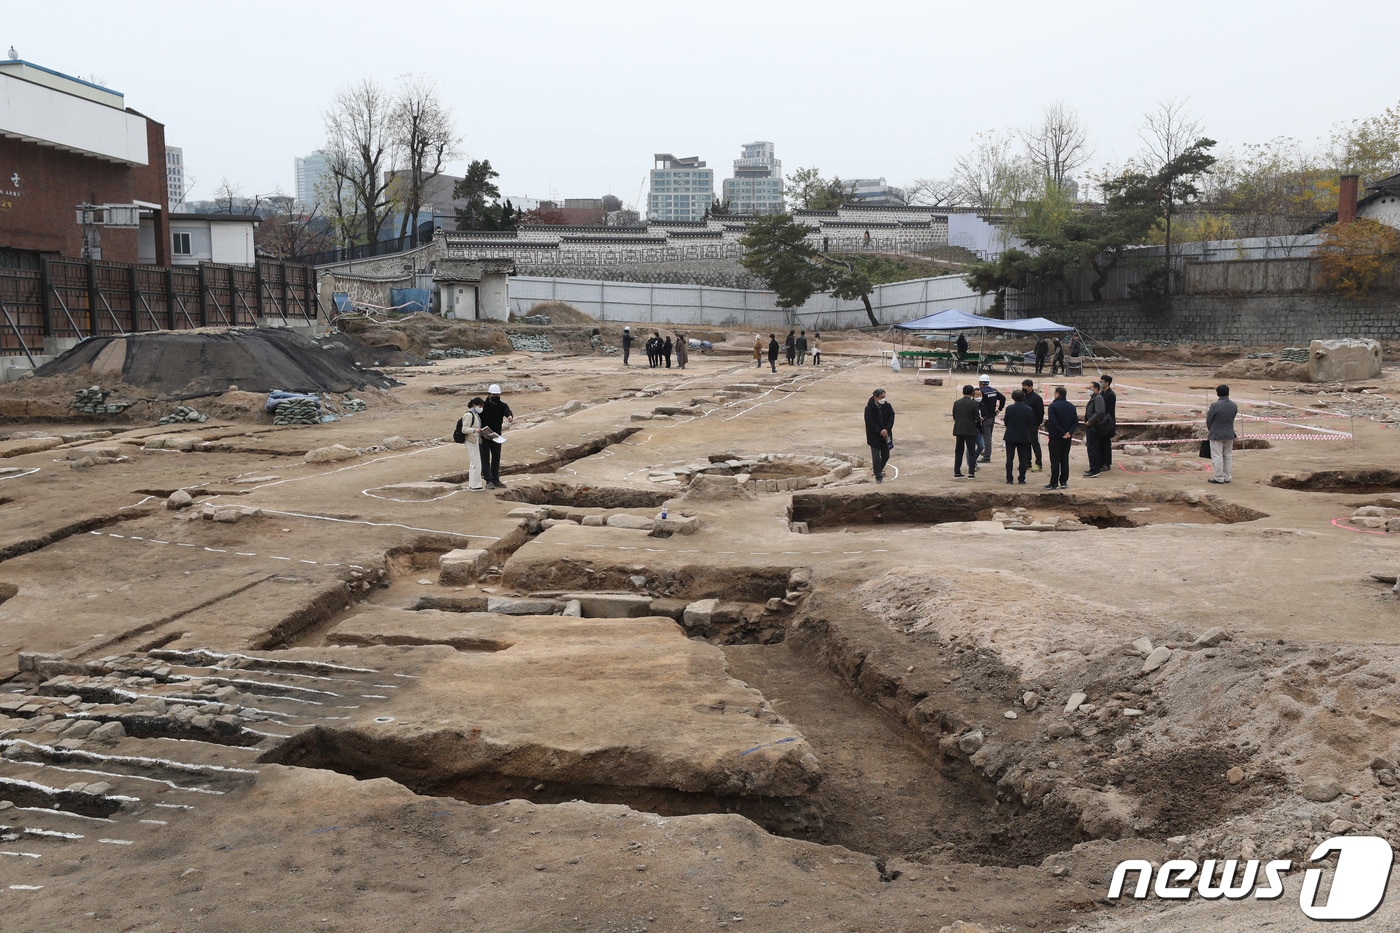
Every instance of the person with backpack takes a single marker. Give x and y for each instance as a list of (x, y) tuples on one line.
[(471, 427)]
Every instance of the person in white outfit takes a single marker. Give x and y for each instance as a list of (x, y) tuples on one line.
[(472, 427)]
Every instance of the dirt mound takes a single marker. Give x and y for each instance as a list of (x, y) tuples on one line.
[(199, 363), (366, 355), (1260, 368), (559, 312)]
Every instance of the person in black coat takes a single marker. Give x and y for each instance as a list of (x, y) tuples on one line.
[(667, 350), (626, 344), (773, 351), (1110, 427), (992, 402), (962, 346), (494, 415), (967, 428), (1042, 350), (1061, 421), (1037, 404), (790, 347), (879, 431), (1018, 422)]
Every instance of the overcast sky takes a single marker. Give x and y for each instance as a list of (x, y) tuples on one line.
[(571, 99)]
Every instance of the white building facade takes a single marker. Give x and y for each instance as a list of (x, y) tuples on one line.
[(757, 185), (681, 189), (175, 177)]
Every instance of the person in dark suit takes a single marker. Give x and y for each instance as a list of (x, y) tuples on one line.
[(967, 428), (773, 351), (1061, 421), (1110, 427), (626, 344), (879, 431), (1095, 411), (1037, 404), (1018, 421), (1042, 350)]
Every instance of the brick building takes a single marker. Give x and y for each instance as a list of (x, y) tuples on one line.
[(65, 142)]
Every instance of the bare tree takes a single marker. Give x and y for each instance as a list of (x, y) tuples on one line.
[(1059, 144), (992, 177), (359, 154), (426, 141), (1169, 133), (932, 192)]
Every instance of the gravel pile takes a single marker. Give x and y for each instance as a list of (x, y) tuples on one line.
[(531, 343), (457, 353)]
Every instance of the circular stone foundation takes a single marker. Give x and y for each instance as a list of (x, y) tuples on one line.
[(763, 472)]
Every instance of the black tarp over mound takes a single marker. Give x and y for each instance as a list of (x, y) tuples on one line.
[(197, 363)]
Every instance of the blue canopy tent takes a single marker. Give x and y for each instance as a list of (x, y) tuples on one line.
[(952, 321)]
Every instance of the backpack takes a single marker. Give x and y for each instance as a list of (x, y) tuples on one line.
[(458, 435)]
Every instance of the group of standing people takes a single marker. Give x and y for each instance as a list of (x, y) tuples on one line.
[(795, 349), (975, 414), (659, 350)]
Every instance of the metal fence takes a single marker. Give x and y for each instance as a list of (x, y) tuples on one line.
[(78, 298), (699, 305)]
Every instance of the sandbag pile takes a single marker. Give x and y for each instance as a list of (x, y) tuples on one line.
[(183, 414), (93, 401), (298, 411), (353, 404)]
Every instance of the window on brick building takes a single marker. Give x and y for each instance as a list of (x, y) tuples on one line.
[(180, 244)]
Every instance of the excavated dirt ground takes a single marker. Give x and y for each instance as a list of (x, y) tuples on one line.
[(804, 703)]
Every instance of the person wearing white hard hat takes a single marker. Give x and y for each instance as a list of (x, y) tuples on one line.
[(494, 415)]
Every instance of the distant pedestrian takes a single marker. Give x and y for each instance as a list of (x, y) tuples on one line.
[(654, 349), (1037, 405), (790, 347), (992, 402), (773, 349), (879, 431), (757, 351), (626, 344), (967, 428), (1095, 411), (1076, 345), (1061, 421), (1019, 423), (666, 350), (682, 350), (802, 348), (962, 346), (1220, 428), (1042, 350), (816, 349), (1057, 359), (494, 415)]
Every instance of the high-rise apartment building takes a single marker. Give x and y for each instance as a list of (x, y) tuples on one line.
[(310, 169), (175, 177), (681, 189), (757, 185)]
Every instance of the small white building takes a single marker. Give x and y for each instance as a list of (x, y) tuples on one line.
[(473, 289), (225, 238)]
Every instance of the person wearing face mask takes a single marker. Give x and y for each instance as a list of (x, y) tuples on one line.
[(494, 414), (879, 431), (472, 428)]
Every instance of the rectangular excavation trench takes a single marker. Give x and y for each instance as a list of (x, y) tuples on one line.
[(839, 510)]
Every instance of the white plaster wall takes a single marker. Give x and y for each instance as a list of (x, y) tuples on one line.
[(49, 116)]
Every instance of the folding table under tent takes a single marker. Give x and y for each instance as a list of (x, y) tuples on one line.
[(951, 321)]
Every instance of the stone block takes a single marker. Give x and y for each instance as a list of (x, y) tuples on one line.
[(611, 605), (83, 453), (624, 520), (463, 566), (1343, 360), (534, 513), (677, 524), (331, 454), (510, 606), (700, 613)]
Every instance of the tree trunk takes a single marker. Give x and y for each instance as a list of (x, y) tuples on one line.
[(869, 311)]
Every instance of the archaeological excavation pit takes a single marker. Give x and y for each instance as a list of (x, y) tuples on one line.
[(841, 511), (762, 472), (1353, 482)]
